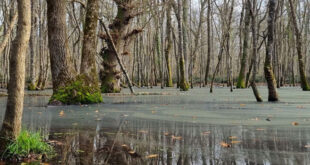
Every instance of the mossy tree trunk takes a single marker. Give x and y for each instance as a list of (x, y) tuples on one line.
[(242, 74), (88, 64), (13, 116), (304, 82), (269, 75), (110, 75)]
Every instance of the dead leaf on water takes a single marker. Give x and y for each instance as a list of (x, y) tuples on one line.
[(307, 146), (295, 123), (176, 137), (97, 111), (131, 152), (206, 133), (143, 131), (152, 156), (225, 145), (74, 124), (235, 142), (166, 133), (153, 112), (260, 129), (232, 137), (242, 105), (61, 113)]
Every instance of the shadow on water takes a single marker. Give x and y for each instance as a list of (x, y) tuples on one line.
[(138, 131)]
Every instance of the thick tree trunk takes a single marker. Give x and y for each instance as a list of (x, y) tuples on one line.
[(13, 116), (269, 75), (304, 82), (61, 62), (242, 74), (110, 76)]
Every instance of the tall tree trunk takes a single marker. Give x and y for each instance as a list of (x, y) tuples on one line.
[(304, 82), (269, 75), (88, 71), (184, 86), (209, 42), (61, 62), (254, 49), (13, 116), (33, 45), (169, 82), (242, 74)]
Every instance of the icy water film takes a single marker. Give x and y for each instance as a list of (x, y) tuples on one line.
[(175, 128)]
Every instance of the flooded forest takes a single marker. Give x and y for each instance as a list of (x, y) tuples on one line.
[(155, 82)]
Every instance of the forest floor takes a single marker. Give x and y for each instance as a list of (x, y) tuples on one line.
[(168, 126)]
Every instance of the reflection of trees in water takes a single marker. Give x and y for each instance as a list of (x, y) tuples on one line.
[(186, 143)]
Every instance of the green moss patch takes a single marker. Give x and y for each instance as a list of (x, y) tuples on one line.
[(77, 92)]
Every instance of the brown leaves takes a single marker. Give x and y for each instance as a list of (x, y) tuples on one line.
[(225, 145), (295, 124), (61, 114), (152, 156), (176, 137)]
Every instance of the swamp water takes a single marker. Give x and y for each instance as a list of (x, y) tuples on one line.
[(176, 128)]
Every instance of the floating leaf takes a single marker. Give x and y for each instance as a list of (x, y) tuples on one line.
[(61, 113), (225, 145), (176, 137), (295, 123), (97, 111), (232, 137), (206, 133), (260, 129), (235, 142), (153, 112), (242, 105), (152, 156), (307, 146), (143, 131), (166, 133), (131, 152)]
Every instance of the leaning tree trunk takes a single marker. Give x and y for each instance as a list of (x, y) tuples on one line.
[(304, 82), (254, 55), (88, 71), (13, 116), (6, 37), (269, 75), (242, 74)]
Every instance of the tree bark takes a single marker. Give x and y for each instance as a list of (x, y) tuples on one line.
[(61, 62), (242, 74), (88, 64), (8, 33), (13, 116), (304, 82), (269, 75)]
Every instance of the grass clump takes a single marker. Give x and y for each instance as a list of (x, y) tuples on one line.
[(26, 144), (77, 93)]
